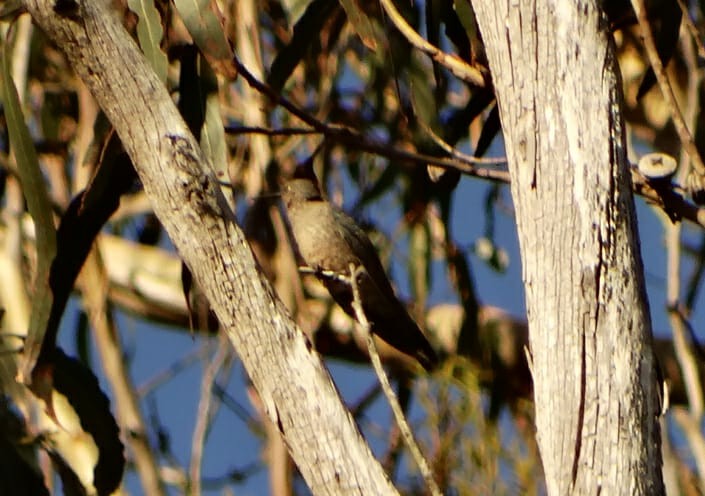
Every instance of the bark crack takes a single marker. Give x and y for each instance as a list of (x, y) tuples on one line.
[(581, 414)]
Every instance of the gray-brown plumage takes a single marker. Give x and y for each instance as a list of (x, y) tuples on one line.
[(327, 239)]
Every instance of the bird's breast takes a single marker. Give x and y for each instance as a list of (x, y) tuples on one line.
[(320, 242)]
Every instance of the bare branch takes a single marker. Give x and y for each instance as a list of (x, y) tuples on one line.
[(384, 381), (454, 64)]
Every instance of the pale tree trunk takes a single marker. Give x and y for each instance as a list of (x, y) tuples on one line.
[(295, 389), (554, 71)]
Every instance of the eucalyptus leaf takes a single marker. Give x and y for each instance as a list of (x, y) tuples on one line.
[(39, 207), (149, 34)]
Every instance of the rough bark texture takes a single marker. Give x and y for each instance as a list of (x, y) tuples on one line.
[(296, 390), (554, 72)]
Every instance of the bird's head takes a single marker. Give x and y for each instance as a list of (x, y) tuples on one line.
[(302, 188)]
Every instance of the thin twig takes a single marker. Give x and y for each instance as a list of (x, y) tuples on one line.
[(204, 417), (455, 153), (386, 387), (283, 131), (692, 431), (684, 350), (167, 374), (697, 347), (94, 286), (674, 203), (352, 138), (456, 65), (666, 89), (692, 30)]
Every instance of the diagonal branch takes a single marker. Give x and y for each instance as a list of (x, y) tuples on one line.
[(404, 428), (190, 204), (456, 65)]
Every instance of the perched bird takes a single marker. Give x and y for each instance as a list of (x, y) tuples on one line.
[(328, 240)]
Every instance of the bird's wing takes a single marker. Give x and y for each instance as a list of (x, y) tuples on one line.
[(356, 238)]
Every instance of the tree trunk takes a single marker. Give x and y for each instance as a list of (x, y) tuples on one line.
[(296, 390), (555, 76)]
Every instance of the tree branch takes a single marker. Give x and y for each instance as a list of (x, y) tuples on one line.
[(189, 203)]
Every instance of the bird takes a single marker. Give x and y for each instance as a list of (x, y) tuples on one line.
[(328, 241)]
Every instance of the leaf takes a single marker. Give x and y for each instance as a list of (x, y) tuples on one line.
[(79, 386), (420, 262), (192, 97), (39, 207), (422, 99), (466, 16), (460, 274), (200, 108), (459, 30), (433, 30), (361, 23), (490, 129), (213, 133), (203, 21), (382, 185), (306, 31), (79, 226), (149, 34), (471, 45)]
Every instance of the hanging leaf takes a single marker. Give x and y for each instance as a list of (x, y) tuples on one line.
[(204, 22), (466, 18), (361, 23), (459, 30), (434, 10), (489, 131), (420, 262), (200, 108), (80, 224), (39, 207), (306, 31), (87, 446), (382, 185), (192, 97), (213, 133), (422, 99), (149, 34)]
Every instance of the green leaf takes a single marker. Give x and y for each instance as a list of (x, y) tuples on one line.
[(422, 99), (39, 206), (213, 133), (200, 107), (362, 24), (149, 34), (213, 138), (203, 21), (466, 16), (420, 262), (306, 31)]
